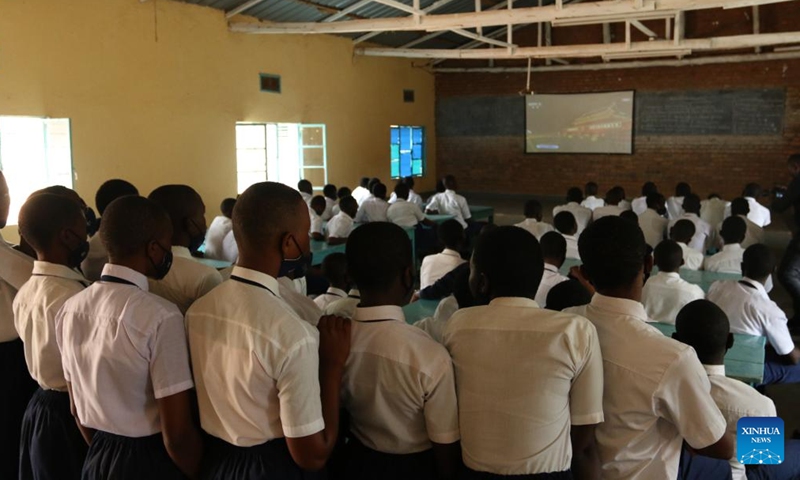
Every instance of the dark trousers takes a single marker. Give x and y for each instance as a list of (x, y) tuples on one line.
[(469, 474), (124, 458), (777, 371), (268, 461), (789, 276), (18, 387), (367, 464), (698, 467), (788, 470)]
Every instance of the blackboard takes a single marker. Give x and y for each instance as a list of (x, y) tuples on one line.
[(481, 116)]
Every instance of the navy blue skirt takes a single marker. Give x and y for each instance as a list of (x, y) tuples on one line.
[(364, 463), (51, 447), (113, 457), (469, 474), (18, 387), (268, 461)]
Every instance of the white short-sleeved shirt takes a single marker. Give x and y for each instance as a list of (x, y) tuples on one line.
[(729, 260), (306, 197), (96, 259), (451, 203), (15, 270), (330, 296), (35, 309), (583, 215), (435, 325), (639, 205), (404, 213), (230, 250), (524, 376), (340, 226), (122, 348), (186, 281), (550, 278), (328, 213), (398, 385), (606, 211), (735, 400), (704, 232), (215, 235), (360, 194), (437, 266), (656, 394), (316, 222), (300, 304), (692, 259), (674, 207), (654, 227), (666, 293), (345, 307), (255, 362), (413, 197), (759, 214), (572, 246), (713, 210), (372, 209), (591, 202), (752, 236), (536, 227), (750, 311)]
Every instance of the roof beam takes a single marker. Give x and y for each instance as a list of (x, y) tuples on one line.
[(428, 9), (241, 8), (481, 38), (642, 28), (346, 11)]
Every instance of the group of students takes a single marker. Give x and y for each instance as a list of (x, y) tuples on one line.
[(166, 368)]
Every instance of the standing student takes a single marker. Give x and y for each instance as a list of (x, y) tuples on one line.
[(656, 392), (583, 215), (271, 408), (665, 293), (639, 204), (754, 234), (566, 226), (219, 228), (554, 252), (107, 193), (612, 204), (504, 352), (403, 212), (591, 201), (188, 279), (334, 269), (340, 226), (704, 234), (361, 192), (306, 189), (398, 385), (51, 445), (652, 220), (714, 209), (451, 203), (675, 202), (682, 233), (434, 267), (316, 209), (533, 220), (729, 260), (374, 208), (329, 192), (125, 356)]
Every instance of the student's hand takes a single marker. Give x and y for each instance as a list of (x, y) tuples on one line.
[(334, 341), (414, 297)]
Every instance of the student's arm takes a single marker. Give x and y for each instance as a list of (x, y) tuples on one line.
[(792, 358), (585, 459), (181, 436), (441, 416), (586, 404), (444, 286), (722, 449), (86, 432), (448, 459), (311, 452)]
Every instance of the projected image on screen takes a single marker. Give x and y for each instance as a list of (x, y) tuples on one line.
[(579, 123)]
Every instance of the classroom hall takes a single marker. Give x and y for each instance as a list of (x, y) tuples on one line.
[(503, 101)]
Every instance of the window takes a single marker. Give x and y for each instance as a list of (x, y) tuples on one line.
[(407, 151), (34, 153), (281, 152)]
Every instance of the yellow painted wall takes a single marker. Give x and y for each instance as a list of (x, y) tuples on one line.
[(154, 90)]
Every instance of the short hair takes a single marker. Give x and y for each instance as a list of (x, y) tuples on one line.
[(615, 195), (334, 268), (655, 200), (740, 206), (691, 203), (553, 246), (565, 222), (704, 326), (450, 233), (343, 192), (590, 189), (409, 181), (568, 294), (461, 289), (265, 212), (112, 190), (613, 251), (44, 215), (440, 186), (401, 190), (668, 256), (752, 190), (574, 194), (226, 207), (179, 201), (377, 254), (533, 209), (682, 231), (364, 182), (348, 204), (305, 186), (372, 182), (630, 216), (319, 201), (130, 223), (329, 191), (733, 230), (449, 182), (511, 260), (758, 261), (649, 188), (62, 191), (379, 190), (682, 189)]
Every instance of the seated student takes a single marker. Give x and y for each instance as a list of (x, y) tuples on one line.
[(624, 203), (188, 279), (107, 193), (403, 212), (316, 210), (754, 234), (450, 203), (398, 385), (713, 209), (219, 228), (504, 352), (703, 237), (52, 445), (533, 220), (629, 216), (582, 214), (306, 190), (758, 214), (665, 293), (554, 251), (329, 193), (461, 297), (568, 294), (591, 201), (751, 312), (566, 226), (142, 426), (639, 204), (340, 194), (334, 269), (656, 394), (413, 196), (612, 204), (729, 260), (675, 202), (374, 208), (341, 224), (361, 192), (652, 220), (682, 233), (434, 267)]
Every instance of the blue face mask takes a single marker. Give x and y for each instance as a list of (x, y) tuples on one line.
[(296, 267)]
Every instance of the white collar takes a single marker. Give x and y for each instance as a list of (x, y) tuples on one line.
[(758, 286), (398, 200), (514, 302), (338, 292), (450, 192), (451, 252), (622, 306), (574, 204), (668, 274), (550, 268), (182, 252), (267, 281), (733, 247), (47, 269), (126, 273), (718, 370), (383, 312), (354, 293)]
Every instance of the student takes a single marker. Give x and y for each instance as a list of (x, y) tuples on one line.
[(665, 293), (270, 408), (219, 228), (652, 220), (714, 210), (624, 203), (591, 201), (188, 279), (298, 301), (398, 385), (329, 193), (413, 196), (340, 194), (361, 192), (316, 210), (504, 352), (682, 233), (639, 204), (125, 356), (341, 224), (450, 203), (306, 190), (758, 214), (334, 269), (729, 260), (782, 201), (533, 220), (51, 446), (554, 251), (582, 214), (107, 193), (751, 312), (629, 216), (611, 207), (403, 212), (568, 294), (374, 208), (675, 202), (566, 226), (434, 267), (754, 234), (461, 297), (656, 394), (704, 234)]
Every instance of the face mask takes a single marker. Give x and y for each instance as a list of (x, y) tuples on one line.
[(768, 284), (79, 253), (196, 241), (162, 269), (92, 223), (296, 267)]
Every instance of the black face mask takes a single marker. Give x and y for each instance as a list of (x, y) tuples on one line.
[(78, 254), (296, 267), (92, 222), (162, 269), (197, 240)]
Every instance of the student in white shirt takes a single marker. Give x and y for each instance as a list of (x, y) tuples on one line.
[(374, 208), (329, 193), (533, 220), (316, 210), (656, 393), (54, 226), (754, 234), (758, 214), (107, 193), (403, 211), (612, 204), (591, 201), (714, 209), (398, 385), (583, 215), (334, 269), (219, 228), (434, 267), (306, 189), (652, 220), (340, 194), (413, 196), (340, 226), (703, 237), (188, 279), (504, 352), (267, 382), (639, 204), (565, 224), (461, 297), (682, 233), (554, 251), (361, 192), (729, 260), (675, 202), (125, 357), (751, 312), (450, 203), (665, 293)]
